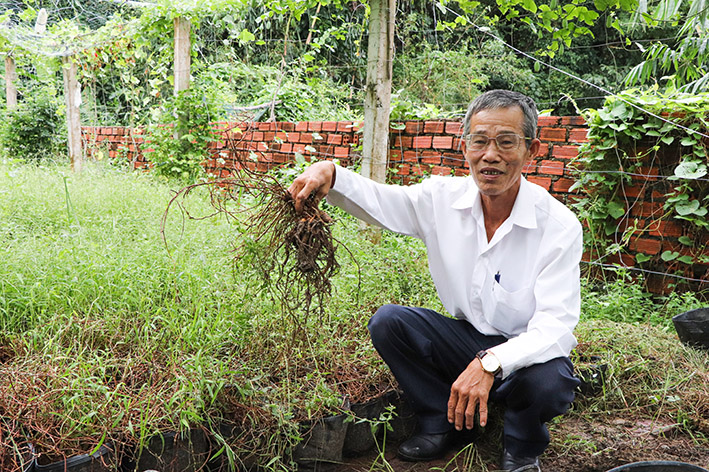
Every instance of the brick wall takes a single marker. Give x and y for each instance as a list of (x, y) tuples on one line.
[(420, 148)]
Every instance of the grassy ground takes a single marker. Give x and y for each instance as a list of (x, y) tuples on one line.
[(108, 333)]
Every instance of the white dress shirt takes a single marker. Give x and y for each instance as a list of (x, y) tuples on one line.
[(524, 284)]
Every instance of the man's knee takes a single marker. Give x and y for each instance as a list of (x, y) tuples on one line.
[(381, 323), (552, 384)]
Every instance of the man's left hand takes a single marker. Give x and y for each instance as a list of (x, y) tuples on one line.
[(470, 391)]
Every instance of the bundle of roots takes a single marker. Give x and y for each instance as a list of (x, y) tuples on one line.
[(295, 252)]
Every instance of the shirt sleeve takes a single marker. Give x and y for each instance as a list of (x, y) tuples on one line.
[(392, 207), (557, 292)]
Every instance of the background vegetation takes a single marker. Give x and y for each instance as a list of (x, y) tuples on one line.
[(110, 334)]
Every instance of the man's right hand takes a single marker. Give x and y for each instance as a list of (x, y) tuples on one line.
[(318, 178)]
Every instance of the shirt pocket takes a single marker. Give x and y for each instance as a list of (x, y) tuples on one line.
[(509, 312)]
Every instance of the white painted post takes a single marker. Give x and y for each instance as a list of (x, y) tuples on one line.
[(72, 99), (182, 54), (10, 87)]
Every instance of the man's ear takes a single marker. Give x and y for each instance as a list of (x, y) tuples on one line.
[(534, 149)]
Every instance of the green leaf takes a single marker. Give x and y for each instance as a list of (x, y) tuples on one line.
[(686, 240), (246, 36), (686, 259), (667, 139), (691, 170), (687, 208), (688, 141), (616, 210), (668, 256), (640, 257)]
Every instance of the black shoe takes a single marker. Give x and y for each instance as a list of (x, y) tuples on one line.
[(519, 464), (424, 447)]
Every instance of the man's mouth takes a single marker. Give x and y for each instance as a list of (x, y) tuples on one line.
[(491, 172)]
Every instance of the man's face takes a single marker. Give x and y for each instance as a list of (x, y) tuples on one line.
[(497, 171)]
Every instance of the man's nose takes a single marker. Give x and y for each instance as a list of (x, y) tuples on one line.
[(491, 151)]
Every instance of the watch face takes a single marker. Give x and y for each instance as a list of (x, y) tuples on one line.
[(490, 363)]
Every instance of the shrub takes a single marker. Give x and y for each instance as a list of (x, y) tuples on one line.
[(34, 130), (182, 133)]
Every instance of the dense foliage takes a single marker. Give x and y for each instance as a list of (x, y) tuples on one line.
[(625, 137), (34, 129)]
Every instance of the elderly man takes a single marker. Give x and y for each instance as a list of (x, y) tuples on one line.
[(504, 256)]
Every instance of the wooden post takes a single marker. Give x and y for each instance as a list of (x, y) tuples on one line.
[(72, 99), (182, 54), (10, 87)]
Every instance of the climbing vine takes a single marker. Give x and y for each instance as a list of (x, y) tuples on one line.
[(652, 144)]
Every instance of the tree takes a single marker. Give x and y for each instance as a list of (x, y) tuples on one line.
[(683, 61)]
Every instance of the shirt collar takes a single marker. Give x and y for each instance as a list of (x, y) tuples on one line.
[(523, 212)]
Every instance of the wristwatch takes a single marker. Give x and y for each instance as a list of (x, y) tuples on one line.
[(489, 362)]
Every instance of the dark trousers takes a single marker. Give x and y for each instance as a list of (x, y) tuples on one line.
[(427, 351)]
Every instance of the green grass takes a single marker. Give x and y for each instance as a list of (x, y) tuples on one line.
[(107, 334)]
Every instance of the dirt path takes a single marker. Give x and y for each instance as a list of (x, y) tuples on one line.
[(579, 444)]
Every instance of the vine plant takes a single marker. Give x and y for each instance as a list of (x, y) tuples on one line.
[(634, 132)]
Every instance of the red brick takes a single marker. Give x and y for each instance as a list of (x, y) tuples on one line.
[(281, 136), (422, 142), (547, 121), (257, 136), (301, 126), (645, 245), (267, 126), (411, 156), (565, 152), (269, 136), (552, 134), (286, 147), (622, 259), (344, 126), (403, 142), (414, 127), (341, 151), (285, 126), (454, 127), (435, 127), (403, 169), (315, 126), (453, 160), (459, 171), (579, 135), (299, 148), (647, 209), (543, 150), (665, 228), (293, 137), (430, 158), (306, 138), (457, 144), (551, 167), (633, 191), (648, 173), (329, 125), (419, 169), (541, 181), (442, 142), (563, 185), (573, 120), (530, 167), (440, 170), (334, 139)]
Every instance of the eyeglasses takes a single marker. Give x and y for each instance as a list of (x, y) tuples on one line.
[(505, 142)]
